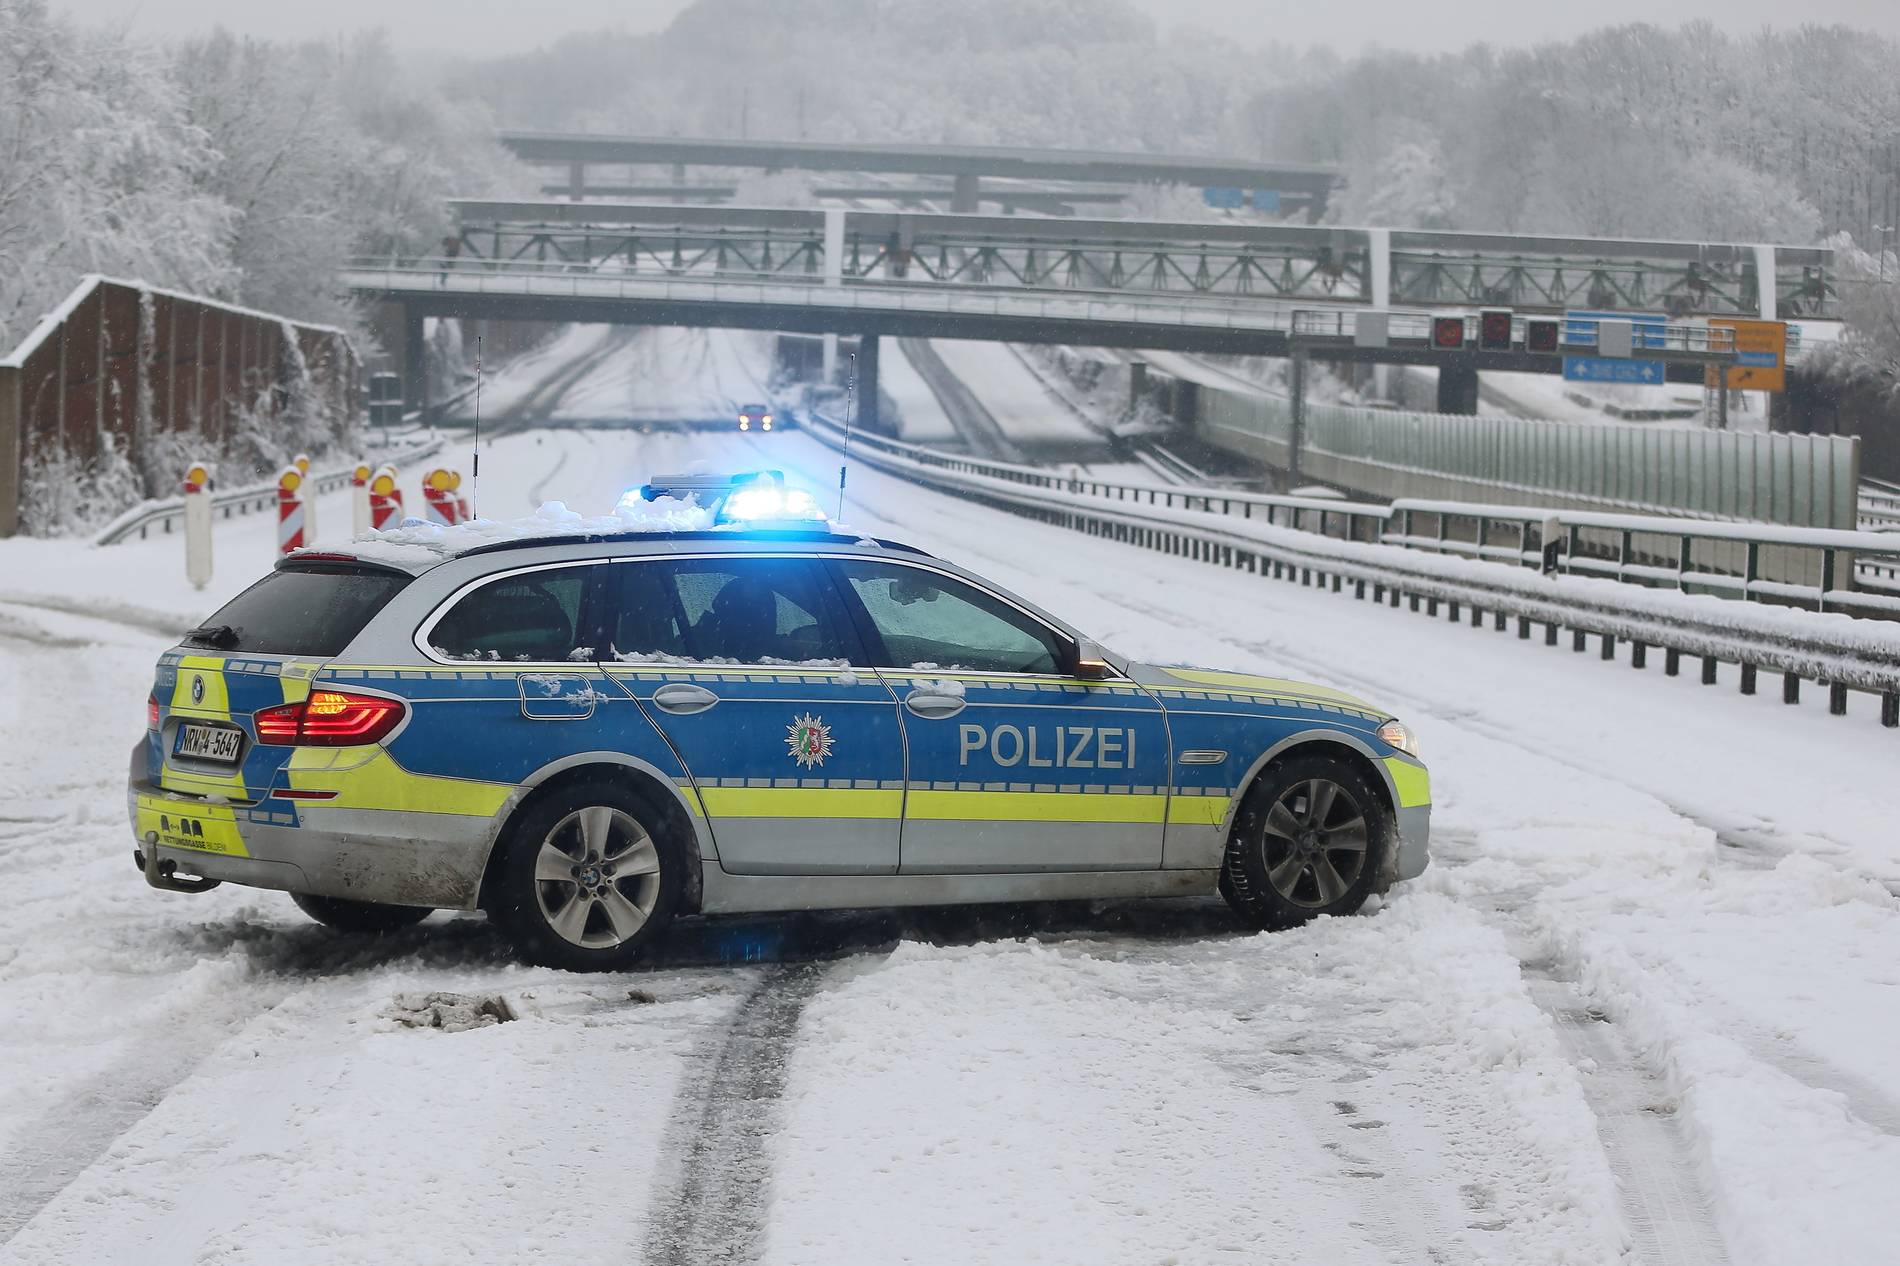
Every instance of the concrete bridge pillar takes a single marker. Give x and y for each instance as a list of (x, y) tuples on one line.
[(963, 195), (415, 361), (1457, 389), (867, 384)]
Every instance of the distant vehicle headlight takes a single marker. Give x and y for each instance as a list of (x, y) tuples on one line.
[(1399, 735)]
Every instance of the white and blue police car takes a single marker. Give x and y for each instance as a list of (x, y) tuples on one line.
[(590, 735)]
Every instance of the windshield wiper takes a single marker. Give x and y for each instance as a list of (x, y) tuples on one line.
[(222, 636)]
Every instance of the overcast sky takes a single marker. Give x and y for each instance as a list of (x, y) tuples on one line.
[(491, 26)]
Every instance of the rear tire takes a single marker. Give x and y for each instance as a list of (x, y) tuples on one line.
[(1310, 839), (368, 917), (588, 879)]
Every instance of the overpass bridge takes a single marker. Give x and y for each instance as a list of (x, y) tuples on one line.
[(1292, 185), (1180, 287)]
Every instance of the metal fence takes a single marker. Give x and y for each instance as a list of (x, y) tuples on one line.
[(1798, 480)]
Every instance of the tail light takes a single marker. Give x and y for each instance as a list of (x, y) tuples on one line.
[(151, 712), (330, 718)]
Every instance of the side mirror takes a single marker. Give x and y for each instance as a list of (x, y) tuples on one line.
[(1090, 663)]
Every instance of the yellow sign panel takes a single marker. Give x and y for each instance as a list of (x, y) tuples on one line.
[(1761, 354)]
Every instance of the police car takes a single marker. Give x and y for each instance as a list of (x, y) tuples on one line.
[(588, 736)]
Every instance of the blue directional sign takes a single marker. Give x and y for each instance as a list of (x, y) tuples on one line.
[(1646, 330), (1224, 199), (1266, 201)]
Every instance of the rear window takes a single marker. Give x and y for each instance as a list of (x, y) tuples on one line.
[(312, 611), (532, 617)]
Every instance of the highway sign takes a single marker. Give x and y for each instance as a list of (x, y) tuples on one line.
[(1266, 201), (1761, 349), (1225, 199), (1646, 330)]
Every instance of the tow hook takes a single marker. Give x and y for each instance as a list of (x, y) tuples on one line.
[(164, 874)]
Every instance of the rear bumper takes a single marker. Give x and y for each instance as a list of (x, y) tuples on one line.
[(397, 858)]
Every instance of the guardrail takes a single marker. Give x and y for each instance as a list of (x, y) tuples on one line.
[(141, 521), (1311, 540)]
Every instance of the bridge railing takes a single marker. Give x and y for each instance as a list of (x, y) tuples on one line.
[(1412, 267), (555, 280)]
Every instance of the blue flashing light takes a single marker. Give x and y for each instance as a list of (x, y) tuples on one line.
[(770, 503)]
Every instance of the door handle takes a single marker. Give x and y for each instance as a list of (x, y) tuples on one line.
[(682, 699), (933, 706)]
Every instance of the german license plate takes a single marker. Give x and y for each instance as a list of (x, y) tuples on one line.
[(208, 742)]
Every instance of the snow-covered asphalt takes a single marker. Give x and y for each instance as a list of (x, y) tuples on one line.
[(1642, 1009)]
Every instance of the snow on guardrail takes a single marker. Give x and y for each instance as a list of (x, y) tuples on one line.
[(163, 512), (1833, 648)]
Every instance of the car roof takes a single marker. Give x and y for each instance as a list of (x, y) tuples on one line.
[(417, 559)]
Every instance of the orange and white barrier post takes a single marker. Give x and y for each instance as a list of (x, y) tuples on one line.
[(302, 462), (359, 499), (290, 511), (385, 500), (198, 524), (463, 514), (438, 499)]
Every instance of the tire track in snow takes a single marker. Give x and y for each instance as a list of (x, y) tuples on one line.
[(714, 1210), (1670, 1214), (53, 1149)]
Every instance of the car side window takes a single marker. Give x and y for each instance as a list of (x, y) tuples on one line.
[(733, 610), (533, 617), (928, 619)]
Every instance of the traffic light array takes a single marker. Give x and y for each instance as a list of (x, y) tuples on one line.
[(1494, 329), (1448, 333)]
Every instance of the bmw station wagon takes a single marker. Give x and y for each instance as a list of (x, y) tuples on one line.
[(588, 736)]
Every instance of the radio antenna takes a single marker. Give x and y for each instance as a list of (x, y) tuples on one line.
[(850, 407), (475, 466)]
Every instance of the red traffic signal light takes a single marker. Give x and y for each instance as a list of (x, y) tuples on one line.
[(1448, 333), (1541, 336), (1494, 329)]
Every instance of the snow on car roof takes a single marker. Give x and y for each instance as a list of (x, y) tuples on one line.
[(416, 545)]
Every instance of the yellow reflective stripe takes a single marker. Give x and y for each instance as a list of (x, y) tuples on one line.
[(217, 700), (295, 679), (1198, 810), (368, 777), (203, 828), (802, 802), (1034, 806), (1248, 683), (1410, 781)]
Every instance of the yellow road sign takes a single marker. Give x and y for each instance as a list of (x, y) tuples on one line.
[(1761, 355)]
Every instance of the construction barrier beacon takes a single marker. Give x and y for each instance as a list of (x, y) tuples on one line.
[(290, 511), (302, 462), (359, 499), (385, 500), (463, 512), (198, 524), (438, 497)]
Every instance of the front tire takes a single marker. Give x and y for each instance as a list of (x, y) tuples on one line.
[(1311, 838), (588, 879), (367, 917)]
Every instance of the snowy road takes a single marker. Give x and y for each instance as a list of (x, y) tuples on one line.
[(1642, 1008)]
